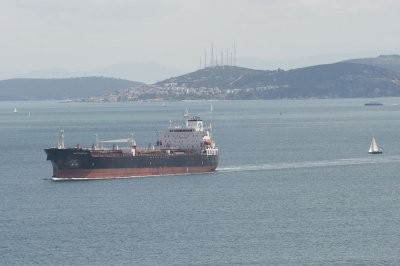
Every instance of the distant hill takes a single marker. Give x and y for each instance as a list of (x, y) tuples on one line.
[(147, 72), (338, 80), (220, 76), (297, 62), (390, 62), (68, 88), (369, 77)]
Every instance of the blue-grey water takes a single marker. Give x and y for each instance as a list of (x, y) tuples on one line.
[(295, 186)]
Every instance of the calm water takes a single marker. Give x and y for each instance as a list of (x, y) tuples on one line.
[(295, 186)]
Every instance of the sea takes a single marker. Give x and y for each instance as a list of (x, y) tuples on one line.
[(295, 186)]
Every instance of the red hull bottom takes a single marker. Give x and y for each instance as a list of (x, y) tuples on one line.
[(126, 172)]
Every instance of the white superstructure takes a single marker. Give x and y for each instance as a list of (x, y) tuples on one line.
[(192, 135)]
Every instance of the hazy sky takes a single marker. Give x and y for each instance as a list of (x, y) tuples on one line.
[(84, 34)]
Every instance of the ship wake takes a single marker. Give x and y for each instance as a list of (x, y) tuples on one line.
[(313, 164)]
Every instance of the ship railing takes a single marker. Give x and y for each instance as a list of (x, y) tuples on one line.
[(111, 153), (167, 151), (211, 151)]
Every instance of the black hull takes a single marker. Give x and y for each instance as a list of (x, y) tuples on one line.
[(74, 163)]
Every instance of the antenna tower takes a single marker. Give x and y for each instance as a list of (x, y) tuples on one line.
[(212, 54), (234, 53), (205, 58)]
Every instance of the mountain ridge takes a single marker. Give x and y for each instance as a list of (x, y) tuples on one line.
[(390, 62), (365, 77), (335, 80), (62, 88), (146, 72)]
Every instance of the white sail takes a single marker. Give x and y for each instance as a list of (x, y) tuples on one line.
[(374, 148)]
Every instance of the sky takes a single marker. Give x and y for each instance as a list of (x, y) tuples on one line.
[(84, 34)]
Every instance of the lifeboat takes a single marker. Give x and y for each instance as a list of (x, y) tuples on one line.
[(207, 141)]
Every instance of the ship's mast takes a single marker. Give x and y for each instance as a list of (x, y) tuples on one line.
[(61, 143), (97, 140), (186, 117), (132, 140)]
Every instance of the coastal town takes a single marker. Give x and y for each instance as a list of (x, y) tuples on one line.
[(170, 92)]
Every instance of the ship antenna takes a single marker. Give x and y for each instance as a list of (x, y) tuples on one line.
[(97, 140), (132, 140), (186, 117), (61, 144)]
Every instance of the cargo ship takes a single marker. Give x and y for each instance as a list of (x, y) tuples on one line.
[(186, 148)]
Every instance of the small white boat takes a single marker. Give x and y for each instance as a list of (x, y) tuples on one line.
[(374, 148), (15, 110)]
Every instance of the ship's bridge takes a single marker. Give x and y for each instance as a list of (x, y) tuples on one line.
[(195, 122), (190, 135)]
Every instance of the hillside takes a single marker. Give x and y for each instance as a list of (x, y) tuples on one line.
[(222, 77), (68, 88), (390, 62), (369, 77), (338, 80), (147, 72)]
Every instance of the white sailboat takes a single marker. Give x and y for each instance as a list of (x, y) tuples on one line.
[(15, 110), (374, 148)]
